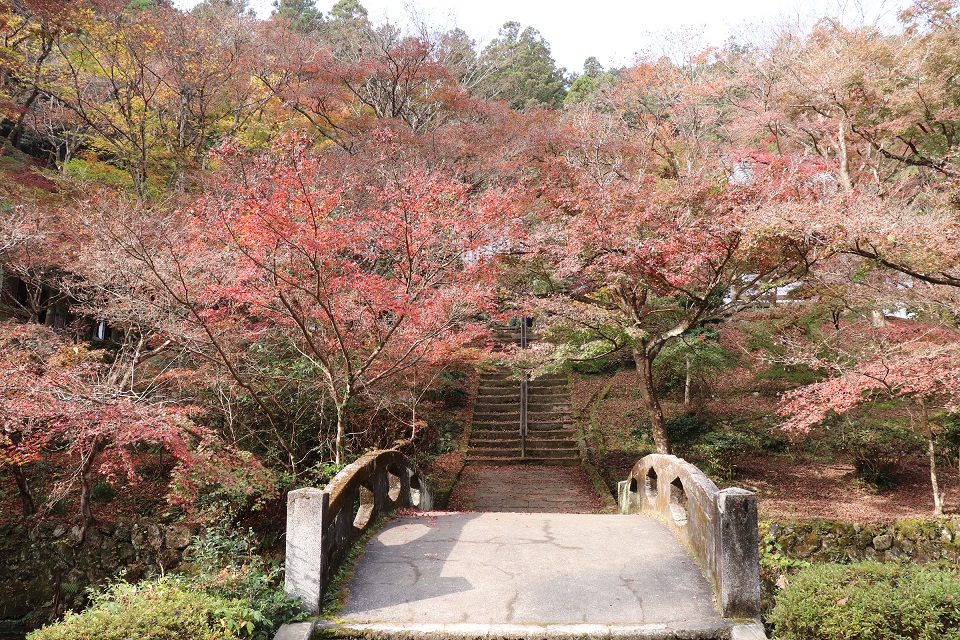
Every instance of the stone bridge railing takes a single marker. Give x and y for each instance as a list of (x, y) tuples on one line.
[(718, 527), (322, 524)]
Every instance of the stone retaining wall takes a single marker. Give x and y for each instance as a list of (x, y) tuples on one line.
[(46, 565), (826, 541)]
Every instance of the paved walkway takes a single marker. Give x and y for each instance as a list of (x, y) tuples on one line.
[(524, 488), (530, 569)]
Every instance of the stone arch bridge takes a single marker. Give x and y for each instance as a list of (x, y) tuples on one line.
[(678, 561)]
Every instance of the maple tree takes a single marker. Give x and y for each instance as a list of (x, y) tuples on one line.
[(58, 395), (641, 242), (366, 269), (911, 361)]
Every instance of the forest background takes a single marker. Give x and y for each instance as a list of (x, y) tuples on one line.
[(239, 252)]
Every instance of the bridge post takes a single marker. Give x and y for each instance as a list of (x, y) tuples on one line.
[(738, 553), (308, 517)]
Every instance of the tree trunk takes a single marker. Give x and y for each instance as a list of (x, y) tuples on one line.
[(27, 501), (341, 430), (931, 452), (86, 486), (686, 385), (658, 426)]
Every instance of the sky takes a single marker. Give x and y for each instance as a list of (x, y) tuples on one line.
[(615, 31)]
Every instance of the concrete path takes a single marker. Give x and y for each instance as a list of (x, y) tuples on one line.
[(524, 488), (530, 569)]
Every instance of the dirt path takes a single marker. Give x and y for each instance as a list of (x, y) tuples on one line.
[(524, 488)]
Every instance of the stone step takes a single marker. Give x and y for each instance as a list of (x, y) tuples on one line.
[(496, 461), (555, 444), (507, 396), (495, 434), (494, 443), (685, 629), (551, 454), (546, 416), (557, 434), (548, 389), (547, 406), (497, 376), (509, 383), (512, 409), (535, 393), (495, 425), (482, 401), (497, 416), (494, 453), (550, 377)]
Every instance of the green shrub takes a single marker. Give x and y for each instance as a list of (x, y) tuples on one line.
[(870, 601), (102, 491), (877, 449), (721, 452), (160, 610), (684, 430), (227, 564)]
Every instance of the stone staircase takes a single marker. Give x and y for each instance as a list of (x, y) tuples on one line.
[(495, 437)]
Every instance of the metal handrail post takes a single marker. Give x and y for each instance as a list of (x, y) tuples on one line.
[(523, 415)]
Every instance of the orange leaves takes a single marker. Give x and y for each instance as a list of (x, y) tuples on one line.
[(904, 359), (369, 266)]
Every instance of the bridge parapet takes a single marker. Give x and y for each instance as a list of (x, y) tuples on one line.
[(718, 526), (322, 524)]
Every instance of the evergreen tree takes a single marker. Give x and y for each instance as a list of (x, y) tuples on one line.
[(304, 16), (521, 69)]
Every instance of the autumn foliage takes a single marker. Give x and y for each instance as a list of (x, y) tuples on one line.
[(259, 245)]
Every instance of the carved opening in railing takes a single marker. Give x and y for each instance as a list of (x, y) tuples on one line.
[(678, 502), (633, 486), (394, 485), (650, 485), (415, 490), (363, 506)]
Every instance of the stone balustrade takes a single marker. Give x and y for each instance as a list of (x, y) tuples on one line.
[(322, 524), (718, 527)]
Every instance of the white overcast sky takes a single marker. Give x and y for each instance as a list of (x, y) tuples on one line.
[(615, 30)]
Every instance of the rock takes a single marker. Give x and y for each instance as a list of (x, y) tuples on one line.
[(807, 545), (945, 535), (895, 554), (178, 537), (59, 530), (883, 542), (168, 559), (138, 536), (76, 533), (110, 560), (122, 532), (154, 536), (126, 551)]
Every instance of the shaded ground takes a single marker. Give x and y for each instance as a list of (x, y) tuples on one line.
[(790, 486), (792, 490), (524, 488)]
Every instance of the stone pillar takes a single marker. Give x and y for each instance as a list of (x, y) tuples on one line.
[(623, 496), (739, 555), (307, 519)]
